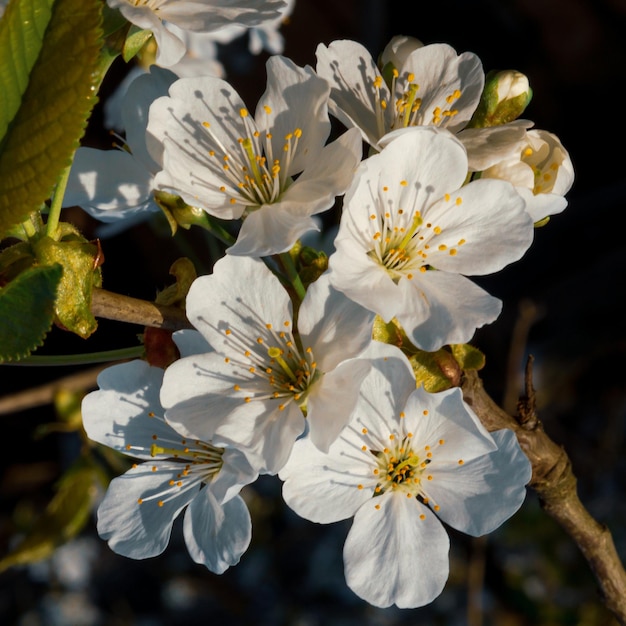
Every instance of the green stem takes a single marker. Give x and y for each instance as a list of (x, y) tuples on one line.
[(57, 201), (29, 228), (292, 274), (83, 359)]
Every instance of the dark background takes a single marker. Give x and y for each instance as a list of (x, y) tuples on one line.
[(563, 303)]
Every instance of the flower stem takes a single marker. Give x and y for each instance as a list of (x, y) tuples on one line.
[(83, 359), (57, 200), (292, 274)]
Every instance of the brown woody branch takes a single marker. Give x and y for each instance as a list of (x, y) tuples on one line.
[(555, 484), (113, 306)]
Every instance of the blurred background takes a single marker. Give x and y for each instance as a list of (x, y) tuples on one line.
[(563, 303)]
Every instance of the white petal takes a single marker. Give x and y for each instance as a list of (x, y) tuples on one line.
[(199, 394), (438, 308), (397, 553), (178, 121), (351, 72), (118, 415), (488, 146), (238, 470), (324, 488), (335, 327), (362, 279), (271, 229), (489, 217), (445, 416), (141, 93), (217, 535), (108, 180), (481, 494), (224, 301), (190, 342), (439, 71), (542, 205), (332, 401), (139, 531), (298, 99), (274, 435)]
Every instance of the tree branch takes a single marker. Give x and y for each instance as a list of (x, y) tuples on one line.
[(113, 306), (555, 484)]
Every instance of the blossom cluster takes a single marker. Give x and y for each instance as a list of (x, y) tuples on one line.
[(439, 180)]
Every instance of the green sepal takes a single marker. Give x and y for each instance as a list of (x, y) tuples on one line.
[(309, 262), (185, 273), (49, 57), (435, 371), (80, 260), (135, 41), (64, 517), (468, 357), (27, 311)]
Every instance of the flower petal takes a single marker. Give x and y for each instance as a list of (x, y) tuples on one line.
[(351, 72), (332, 401), (396, 553), (484, 492), (438, 308), (217, 535), (324, 488), (335, 327), (298, 99), (121, 413), (139, 531), (108, 183)]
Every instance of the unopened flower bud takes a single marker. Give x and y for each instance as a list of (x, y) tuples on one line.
[(397, 51), (504, 98)]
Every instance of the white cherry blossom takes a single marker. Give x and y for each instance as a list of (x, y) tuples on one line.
[(411, 231), (221, 159), (432, 86), (139, 508), (407, 461), (266, 375)]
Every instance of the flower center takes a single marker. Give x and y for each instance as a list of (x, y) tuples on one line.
[(199, 462), (407, 108), (403, 243), (275, 366), (254, 175)]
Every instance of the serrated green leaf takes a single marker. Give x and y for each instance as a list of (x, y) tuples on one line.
[(80, 275), (64, 517), (45, 129), (468, 357), (27, 311), (22, 30)]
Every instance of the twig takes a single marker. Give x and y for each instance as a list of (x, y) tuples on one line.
[(44, 394), (113, 306), (555, 484)]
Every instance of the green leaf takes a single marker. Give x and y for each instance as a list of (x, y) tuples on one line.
[(81, 274), (27, 311), (21, 36), (64, 517), (49, 67)]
